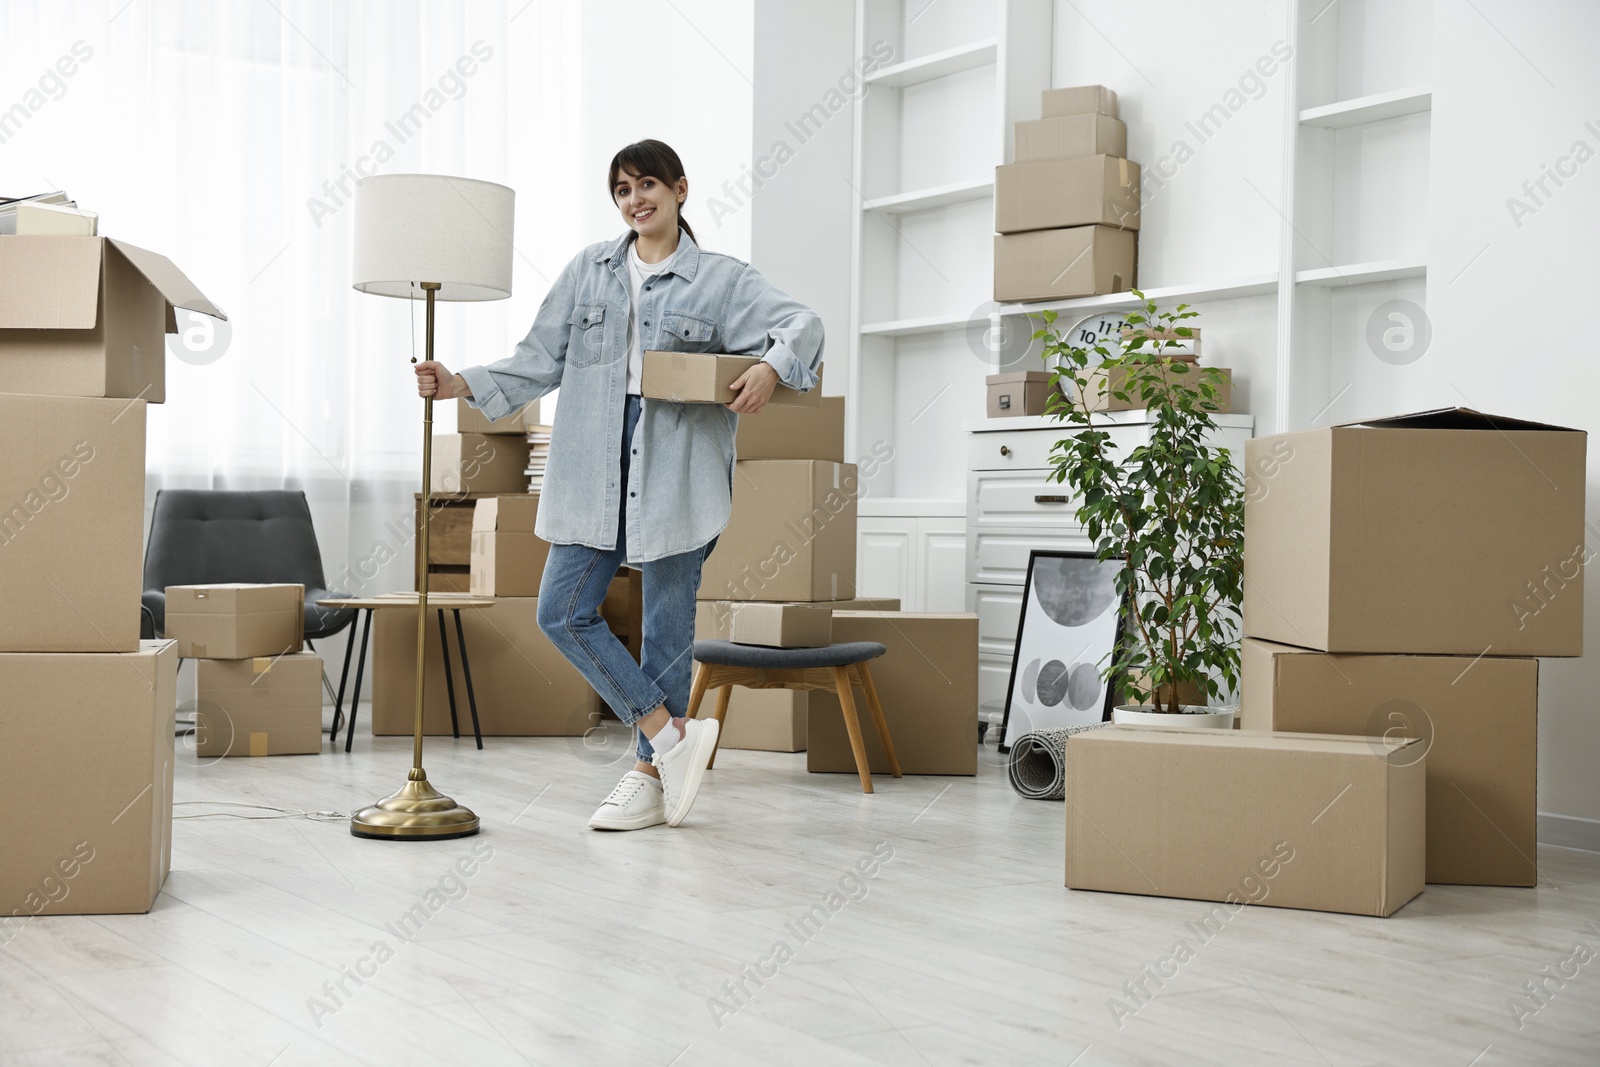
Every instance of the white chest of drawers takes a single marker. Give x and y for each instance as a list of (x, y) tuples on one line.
[(1015, 506)]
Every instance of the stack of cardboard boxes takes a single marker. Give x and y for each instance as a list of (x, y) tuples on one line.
[(1401, 576), (86, 726), (1067, 216), (1067, 210), (483, 456), (257, 692)]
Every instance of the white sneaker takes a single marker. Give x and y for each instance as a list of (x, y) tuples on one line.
[(634, 804), (684, 765)]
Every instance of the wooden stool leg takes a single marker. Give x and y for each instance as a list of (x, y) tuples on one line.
[(721, 715), (852, 725), (877, 717), (697, 689)]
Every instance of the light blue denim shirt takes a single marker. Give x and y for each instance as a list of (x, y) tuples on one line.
[(680, 478)]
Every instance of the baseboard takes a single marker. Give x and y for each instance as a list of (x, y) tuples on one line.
[(1569, 831)]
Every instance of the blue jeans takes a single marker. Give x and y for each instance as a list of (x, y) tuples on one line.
[(572, 589)]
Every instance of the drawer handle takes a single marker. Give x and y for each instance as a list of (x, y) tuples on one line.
[(1049, 498), (1004, 451)]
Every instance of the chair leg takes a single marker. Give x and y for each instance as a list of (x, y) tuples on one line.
[(852, 725), (721, 715), (878, 720), (697, 688)]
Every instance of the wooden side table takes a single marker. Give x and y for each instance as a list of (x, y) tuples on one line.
[(454, 603)]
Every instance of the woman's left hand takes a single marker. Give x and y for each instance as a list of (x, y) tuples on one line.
[(754, 388)]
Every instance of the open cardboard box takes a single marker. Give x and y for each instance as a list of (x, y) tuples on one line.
[(88, 316)]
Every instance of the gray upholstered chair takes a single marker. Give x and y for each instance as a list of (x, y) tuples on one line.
[(202, 537), (837, 668)]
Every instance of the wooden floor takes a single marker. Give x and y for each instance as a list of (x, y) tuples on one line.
[(567, 946)]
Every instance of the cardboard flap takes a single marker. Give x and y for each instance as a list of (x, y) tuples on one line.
[(169, 281), (1456, 419), (51, 283)]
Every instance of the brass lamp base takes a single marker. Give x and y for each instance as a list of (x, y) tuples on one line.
[(415, 812)]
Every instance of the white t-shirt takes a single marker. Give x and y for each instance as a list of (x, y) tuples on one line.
[(638, 272)]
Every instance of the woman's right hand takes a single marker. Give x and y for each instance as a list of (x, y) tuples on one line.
[(434, 380)]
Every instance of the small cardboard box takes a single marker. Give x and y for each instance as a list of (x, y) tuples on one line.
[(789, 431), (479, 463), (508, 558), (713, 619), (1447, 532), (1103, 385), (1023, 392), (1242, 817), (757, 622), (470, 420), (927, 681), (1070, 135), (524, 685), (791, 534), (88, 316), (235, 620), (266, 706), (87, 745), (71, 532), (1480, 736), (706, 377), (1049, 194), (1057, 264), (1078, 100)]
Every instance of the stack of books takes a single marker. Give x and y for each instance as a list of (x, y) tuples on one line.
[(538, 455)]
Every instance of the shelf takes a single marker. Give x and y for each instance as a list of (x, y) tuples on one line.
[(1381, 270), (938, 65), (909, 506), (927, 199), (907, 327), (1365, 109), (1251, 285), (1134, 417)]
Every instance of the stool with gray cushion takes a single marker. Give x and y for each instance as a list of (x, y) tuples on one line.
[(207, 537), (721, 665)]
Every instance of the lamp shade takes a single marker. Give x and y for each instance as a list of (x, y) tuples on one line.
[(413, 228)]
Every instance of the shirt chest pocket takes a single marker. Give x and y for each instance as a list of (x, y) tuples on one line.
[(586, 343), (682, 332)]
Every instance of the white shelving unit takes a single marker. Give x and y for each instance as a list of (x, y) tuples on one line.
[(928, 134)]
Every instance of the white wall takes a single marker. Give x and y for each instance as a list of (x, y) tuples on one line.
[(799, 218), (1508, 298)]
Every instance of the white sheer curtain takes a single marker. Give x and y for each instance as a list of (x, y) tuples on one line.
[(227, 135)]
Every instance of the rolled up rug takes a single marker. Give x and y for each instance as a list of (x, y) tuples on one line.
[(1038, 763)]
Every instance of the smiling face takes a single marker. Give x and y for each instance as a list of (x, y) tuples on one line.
[(648, 205)]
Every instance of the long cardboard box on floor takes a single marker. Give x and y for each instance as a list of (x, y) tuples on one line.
[(767, 720), (235, 620), (927, 682), (1314, 821), (71, 523), (791, 535), (1443, 532), (87, 744), (265, 706), (88, 316), (525, 687), (1476, 716)]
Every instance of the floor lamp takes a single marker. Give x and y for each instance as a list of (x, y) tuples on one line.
[(449, 238)]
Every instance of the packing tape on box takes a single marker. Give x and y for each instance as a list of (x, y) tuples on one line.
[(262, 664), (258, 743), (1038, 764), (1122, 172)]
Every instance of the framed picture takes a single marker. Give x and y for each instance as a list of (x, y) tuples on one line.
[(1070, 622)]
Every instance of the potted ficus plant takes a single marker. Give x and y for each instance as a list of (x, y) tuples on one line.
[(1170, 509)]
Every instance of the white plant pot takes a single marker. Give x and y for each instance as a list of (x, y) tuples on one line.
[(1192, 715)]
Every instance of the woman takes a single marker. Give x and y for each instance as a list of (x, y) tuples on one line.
[(646, 483)]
